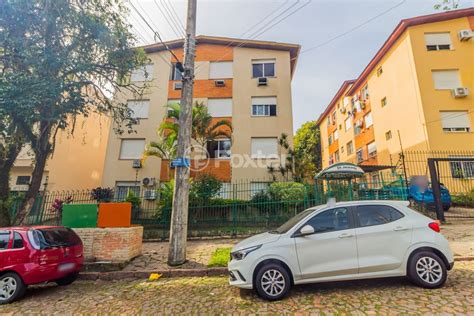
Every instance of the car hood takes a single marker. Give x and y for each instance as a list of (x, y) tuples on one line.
[(256, 240)]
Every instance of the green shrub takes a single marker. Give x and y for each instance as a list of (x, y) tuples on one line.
[(287, 191), (220, 258), (204, 187), (464, 199)]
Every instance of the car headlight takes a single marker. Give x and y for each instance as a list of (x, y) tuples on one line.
[(241, 254)]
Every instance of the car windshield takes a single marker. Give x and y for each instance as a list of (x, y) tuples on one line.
[(56, 237), (292, 222)]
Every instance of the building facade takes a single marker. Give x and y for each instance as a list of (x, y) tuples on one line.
[(415, 94), (245, 82)]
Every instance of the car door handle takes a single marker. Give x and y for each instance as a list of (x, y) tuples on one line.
[(345, 235), (400, 228)]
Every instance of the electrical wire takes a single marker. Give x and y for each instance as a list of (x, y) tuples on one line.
[(177, 17), (180, 29), (352, 29), (173, 28)]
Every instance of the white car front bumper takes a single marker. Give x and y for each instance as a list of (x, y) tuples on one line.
[(241, 274)]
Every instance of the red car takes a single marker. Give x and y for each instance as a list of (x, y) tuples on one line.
[(32, 255)]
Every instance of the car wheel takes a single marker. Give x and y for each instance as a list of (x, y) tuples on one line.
[(11, 288), (272, 282), (67, 279), (427, 270)]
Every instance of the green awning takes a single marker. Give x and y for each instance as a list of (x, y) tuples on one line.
[(341, 170)]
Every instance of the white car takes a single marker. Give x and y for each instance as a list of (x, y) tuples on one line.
[(343, 241)]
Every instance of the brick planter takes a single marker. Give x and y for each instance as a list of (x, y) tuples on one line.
[(111, 244)]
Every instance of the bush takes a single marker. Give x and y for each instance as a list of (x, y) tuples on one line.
[(220, 258), (464, 199), (102, 194), (287, 191), (204, 187)]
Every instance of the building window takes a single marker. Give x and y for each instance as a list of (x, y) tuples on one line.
[(226, 190), (263, 68), (336, 156), (350, 148), (176, 73), (388, 135), (455, 121), (446, 79), (360, 155), (342, 149), (383, 102), (219, 148), (372, 149), (264, 106), (333, 117), (438, 41), (123, 187), (138, 109), (348, 123), (132, 149), (329, 120), (379, 71), (219, 107), (23, 180), (220, 70), (257, 187), (365, 92), (368, 120), (144, 73), (462, 169), (330, 139), (264, 147), (336, 135)]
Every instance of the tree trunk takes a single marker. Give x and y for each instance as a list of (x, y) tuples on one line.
[(6, 165), (42, 152)]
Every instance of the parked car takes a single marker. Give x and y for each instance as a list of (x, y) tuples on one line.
[(343, 241), (421, 193), (32, 255)]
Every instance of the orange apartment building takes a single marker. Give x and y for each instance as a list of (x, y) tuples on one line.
[(415, 94), (244, 81)]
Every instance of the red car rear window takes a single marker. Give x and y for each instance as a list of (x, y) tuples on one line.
[(4, 239), (56, 237)]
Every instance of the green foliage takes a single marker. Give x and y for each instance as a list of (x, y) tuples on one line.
[(307, 150), (220, 258), (447, 5), (102, 194), (464, 199), (133, 199), (204, 187), (287, 191)]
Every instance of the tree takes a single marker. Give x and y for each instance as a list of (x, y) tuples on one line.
[(61, 59), (447, 5), (204, 128), (165, 148), (307, 150)]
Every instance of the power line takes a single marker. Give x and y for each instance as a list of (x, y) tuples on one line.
[(352, 29), (155, 33), (176, 32), (172, 18), (176, 15)]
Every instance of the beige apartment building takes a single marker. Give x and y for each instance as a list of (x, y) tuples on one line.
[(246, 82)]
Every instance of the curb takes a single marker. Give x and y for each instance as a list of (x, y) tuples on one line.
[(174, 273), (168, 273)]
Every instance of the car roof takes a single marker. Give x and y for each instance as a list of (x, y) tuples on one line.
[(369, 202)]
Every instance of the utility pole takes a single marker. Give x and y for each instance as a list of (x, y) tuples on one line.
[(179, 215)]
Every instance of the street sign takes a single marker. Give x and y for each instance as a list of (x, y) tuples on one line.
[(180, 162)]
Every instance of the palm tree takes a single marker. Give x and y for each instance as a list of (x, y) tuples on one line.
[(164, 148), (204, 128)]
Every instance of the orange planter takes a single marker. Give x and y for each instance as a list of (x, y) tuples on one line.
[(114, 215)]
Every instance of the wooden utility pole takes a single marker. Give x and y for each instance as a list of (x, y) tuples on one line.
[(179, 216)]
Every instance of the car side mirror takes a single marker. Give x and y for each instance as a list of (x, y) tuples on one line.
[(306, 230)]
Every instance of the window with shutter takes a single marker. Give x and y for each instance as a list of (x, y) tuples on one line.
[(456, 121), (220, 70), (219, 107), (264, 106), (132, 149), (264, 147), (144, 73), (446, 79), (438, 41), (139, 109)]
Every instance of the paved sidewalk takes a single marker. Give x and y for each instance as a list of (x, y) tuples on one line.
[(460, 236), (214, 296)]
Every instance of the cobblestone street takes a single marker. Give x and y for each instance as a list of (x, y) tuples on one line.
[(214, 296)]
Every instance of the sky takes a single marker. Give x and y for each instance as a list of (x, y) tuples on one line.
[(348, 33)]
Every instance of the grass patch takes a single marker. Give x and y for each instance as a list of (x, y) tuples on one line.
[(220, 258)]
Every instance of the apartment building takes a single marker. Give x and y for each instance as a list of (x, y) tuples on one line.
[(415, 94), (246, 82)]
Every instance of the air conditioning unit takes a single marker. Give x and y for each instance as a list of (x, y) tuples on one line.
[(149, 182), (460, 92), (137, 164), (178, 85), (150, 195), (219, 83), (465, 35), (262, 81)]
